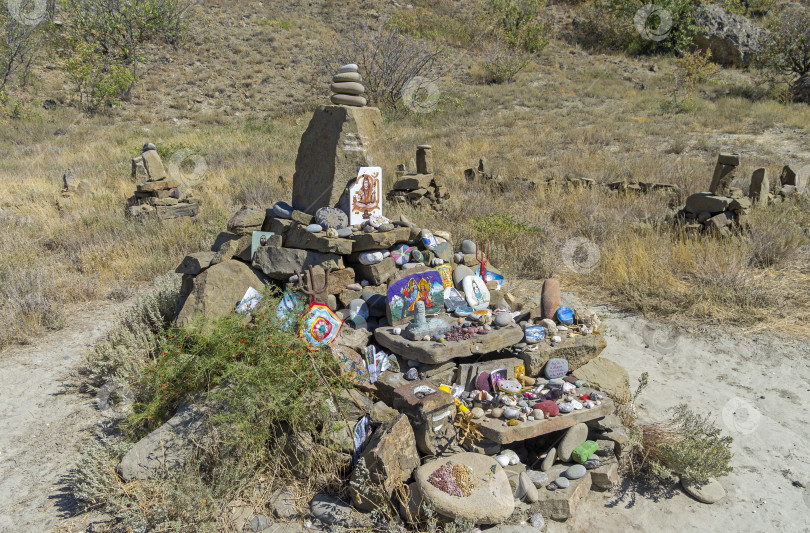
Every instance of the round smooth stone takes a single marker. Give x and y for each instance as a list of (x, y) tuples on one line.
[(503, 460), (354, 287), (369, 229), (538, 414), (371, 258), (562, 482), (502, 320), (331, 217), (575, 472), (349, 67), (401, 254), (464, 310), (358, 308), (477, 412), (496, 412), (417, 256), (314, 228), (347, 76), (149, 146), (468, 247), (345, 232), (436, 262), (579, 383), (332, 233), (412, 374), (397, 331), (282, 210), (510, 413), (386, 227), (565, 407), (428, 239), (548, 408), (348, 87), (458, 258), (538, 522), (349, 100)]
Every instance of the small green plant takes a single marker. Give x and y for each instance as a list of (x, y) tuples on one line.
[(500, 225), (277, 23), (502, 63), (518, 23), (99, 81)]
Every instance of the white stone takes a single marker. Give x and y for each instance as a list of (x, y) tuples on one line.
[(350, 67), (513, 457), (371, 258), (476, 292), (366, 198), (502, 460)]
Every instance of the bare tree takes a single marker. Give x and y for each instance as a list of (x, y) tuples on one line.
[(391, 64), (20, 37)]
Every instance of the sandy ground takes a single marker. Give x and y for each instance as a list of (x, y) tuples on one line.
[(755, 388), (43, 423)]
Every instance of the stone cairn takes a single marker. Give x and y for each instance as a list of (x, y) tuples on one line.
[(158, 194), (724, 208), (347, 86), (436, 345), (422, 189), (71, 185)]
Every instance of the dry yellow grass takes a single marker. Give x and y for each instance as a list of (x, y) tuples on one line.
[(569, 114)]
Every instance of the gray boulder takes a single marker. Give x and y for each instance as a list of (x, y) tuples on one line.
[(168, 447), (733, 39)]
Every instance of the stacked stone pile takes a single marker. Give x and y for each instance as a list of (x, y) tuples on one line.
[(433, 332), (347, 86), (71, 185), (423, 188), (724, 208), (159, 194)]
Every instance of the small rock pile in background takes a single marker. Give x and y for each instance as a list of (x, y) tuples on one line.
[(159, 194), (422, 189), (347, 86), (72, 185), (724, 208)]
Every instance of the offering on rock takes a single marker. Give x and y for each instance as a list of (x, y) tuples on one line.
[(454, 479)]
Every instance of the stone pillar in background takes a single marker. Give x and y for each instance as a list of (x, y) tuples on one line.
[(787, 177), (338, 141), (424, 159), (724, 174), (760, 186)]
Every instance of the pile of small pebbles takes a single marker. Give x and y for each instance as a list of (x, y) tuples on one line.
[(456, 480)]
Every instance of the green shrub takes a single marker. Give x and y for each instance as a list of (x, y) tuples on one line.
[(786, 53), (99, 81), (518, 23), (502, 63)]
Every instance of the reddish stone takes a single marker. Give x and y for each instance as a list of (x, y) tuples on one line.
[(550, 299), (548, 407)]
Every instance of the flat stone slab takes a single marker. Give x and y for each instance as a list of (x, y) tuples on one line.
[(577, 350), (495, 430), (439, 352), (562, 504)]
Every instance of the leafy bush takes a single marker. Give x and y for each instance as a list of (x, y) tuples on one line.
[(786, 53), (631, 25), (518, 23), (98, 79), (502, 63)]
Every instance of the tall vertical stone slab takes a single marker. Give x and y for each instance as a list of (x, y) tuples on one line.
[(337, 143), (760, 185), (724, 174)]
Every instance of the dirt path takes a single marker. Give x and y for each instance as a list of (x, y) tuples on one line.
[(42, 423)]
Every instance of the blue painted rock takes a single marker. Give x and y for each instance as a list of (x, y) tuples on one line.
[(565, 316), (331, 217), (428, 239), (556, 368), (282, 210), (535, 334), (401, 254)]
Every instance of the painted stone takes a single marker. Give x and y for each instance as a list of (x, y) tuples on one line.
[(565, 316), (403, 295), (428, 239), (331, 218), (416, 256), (320, 326), (491, 276), (377, 221), (453, 299), (464, 310), (556, 368), (366, 196), (371, 258), (476, 292), (290, 309), (512, 386), (584, 451), (535, 334), (401, 254), (482, 382), (446, 272)]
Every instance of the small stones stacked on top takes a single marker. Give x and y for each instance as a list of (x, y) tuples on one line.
[(725, 208), (159, 194), (423, 188), (347, 86)]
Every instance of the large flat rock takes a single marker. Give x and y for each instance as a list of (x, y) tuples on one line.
[(577, 350), (495, 430), (437, 352)]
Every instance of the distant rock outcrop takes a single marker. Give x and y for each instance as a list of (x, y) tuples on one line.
[(733, 39)]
